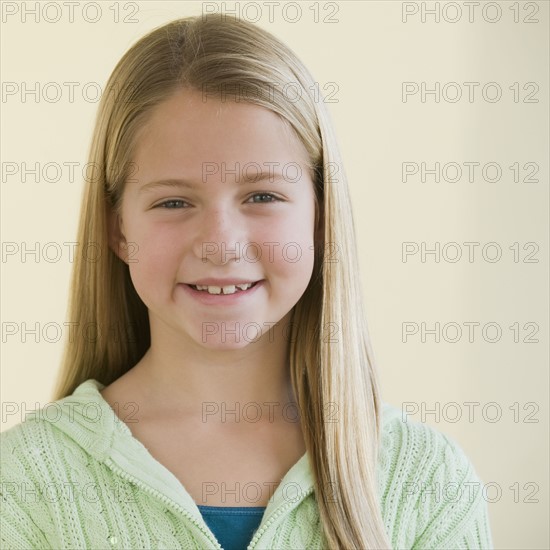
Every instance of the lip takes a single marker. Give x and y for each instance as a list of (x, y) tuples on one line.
[(205, 298), (221, 282)]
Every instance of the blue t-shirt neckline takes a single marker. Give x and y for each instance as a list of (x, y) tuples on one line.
[(238, 508), (233, 526)]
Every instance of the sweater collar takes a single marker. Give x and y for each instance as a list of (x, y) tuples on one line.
[(90, 421)]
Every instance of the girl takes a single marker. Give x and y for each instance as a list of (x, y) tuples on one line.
[(229, 397)]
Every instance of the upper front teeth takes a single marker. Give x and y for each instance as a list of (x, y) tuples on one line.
[(230, 289)]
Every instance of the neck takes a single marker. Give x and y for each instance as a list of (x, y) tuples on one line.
[(179, 376)]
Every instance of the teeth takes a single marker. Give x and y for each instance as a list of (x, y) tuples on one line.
[(230, 289)]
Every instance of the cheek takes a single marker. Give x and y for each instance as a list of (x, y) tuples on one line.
[(288, 248), (154, 259)]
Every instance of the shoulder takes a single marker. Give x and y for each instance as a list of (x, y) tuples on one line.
[(431, 494), (25, 439), (44, 467), (25, 458), (29, 449), (69, 429), (407, 445), (399, 431), (54, 438)]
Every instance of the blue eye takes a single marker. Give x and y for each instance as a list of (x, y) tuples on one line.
[(266, 195), (168, 202)]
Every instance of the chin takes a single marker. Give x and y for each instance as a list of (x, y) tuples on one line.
[(230, 344)]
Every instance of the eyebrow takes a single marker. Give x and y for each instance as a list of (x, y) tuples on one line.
[(181, 183)]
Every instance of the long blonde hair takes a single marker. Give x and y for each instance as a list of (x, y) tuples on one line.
[(331, 360)]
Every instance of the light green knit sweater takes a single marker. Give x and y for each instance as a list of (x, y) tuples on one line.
[(73, 476)]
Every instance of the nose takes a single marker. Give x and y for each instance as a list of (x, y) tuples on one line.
[(220, 236)]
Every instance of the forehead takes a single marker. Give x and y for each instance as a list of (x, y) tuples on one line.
[(185, 131)]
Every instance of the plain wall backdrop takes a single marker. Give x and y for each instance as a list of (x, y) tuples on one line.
[(415, 88)]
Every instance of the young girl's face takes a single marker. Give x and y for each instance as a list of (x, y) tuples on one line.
[(220, 226)]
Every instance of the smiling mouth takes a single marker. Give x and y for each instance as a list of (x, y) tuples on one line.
[(225, 290)]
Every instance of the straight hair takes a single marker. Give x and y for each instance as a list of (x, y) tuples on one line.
[(331, 361)]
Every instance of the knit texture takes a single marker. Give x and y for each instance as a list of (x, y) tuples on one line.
[(73, 476)]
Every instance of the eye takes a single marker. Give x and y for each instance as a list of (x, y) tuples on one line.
[(176, 204), (275, 199), (169, 204)]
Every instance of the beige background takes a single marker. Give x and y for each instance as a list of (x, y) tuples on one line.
[(367, 53)]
